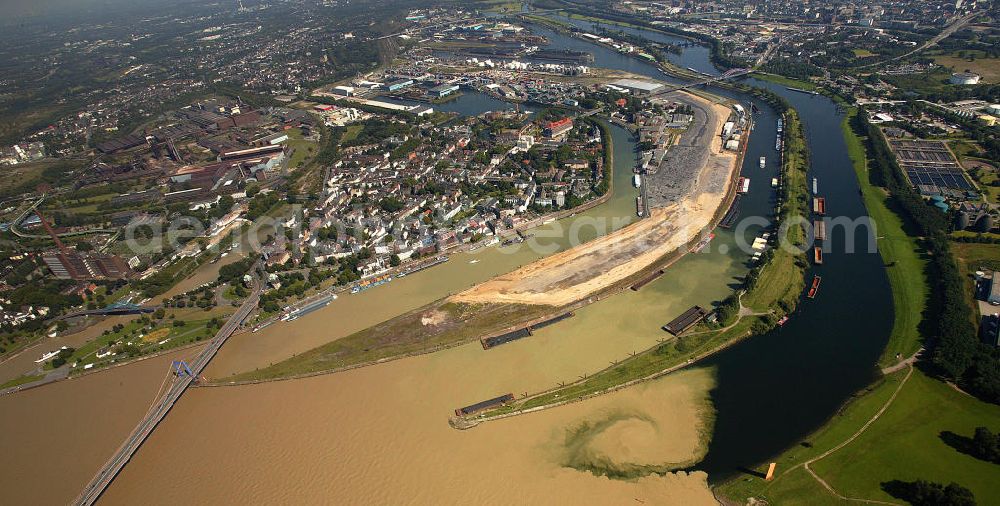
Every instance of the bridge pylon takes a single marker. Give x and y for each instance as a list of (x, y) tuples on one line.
[(181, 368)]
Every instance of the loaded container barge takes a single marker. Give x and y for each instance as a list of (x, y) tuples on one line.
[(744, 185), (371, 283), (819, 205)]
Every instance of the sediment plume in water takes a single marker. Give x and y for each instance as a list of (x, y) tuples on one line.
[(621, 445)]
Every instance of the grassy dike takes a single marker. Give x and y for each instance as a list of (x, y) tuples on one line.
[(894, 429), (905, 265), (906, 442), (773, 289)]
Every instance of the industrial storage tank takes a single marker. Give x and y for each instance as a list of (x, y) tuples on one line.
[(984, 223)]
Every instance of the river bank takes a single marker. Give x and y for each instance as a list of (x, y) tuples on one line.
[(579, 272), (773, 289), (462, 318), (340, 437)]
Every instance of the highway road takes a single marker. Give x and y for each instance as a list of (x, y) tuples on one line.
[(950, 29), (112, 467)]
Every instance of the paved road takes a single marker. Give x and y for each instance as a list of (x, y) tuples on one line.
[(950, 29), (111, 469)]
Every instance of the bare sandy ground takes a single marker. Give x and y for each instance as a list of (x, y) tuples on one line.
[(578, 272)]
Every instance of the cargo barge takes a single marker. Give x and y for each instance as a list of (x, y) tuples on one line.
[(263, 325), (814, 289), (480, 406), (701, 244), (744, 185), (686, 320), (507, 337), (733, 214), (800, 90), (819, 205), (818, 255), (815, 186), (777, 140), (640, 209), (647, 280), (309, 308), (371, 283), (819, 226), (437, 261), (561, 56)]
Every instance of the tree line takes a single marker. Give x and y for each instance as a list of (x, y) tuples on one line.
[(957, 352)]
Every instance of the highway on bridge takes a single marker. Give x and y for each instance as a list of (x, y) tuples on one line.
[(113, 466)]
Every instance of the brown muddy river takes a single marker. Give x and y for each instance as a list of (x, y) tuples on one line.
[(379, 435)]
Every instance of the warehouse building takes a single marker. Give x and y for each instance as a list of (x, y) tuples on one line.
[(637, 87)]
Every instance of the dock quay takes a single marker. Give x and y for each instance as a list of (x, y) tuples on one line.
[(647, 280), (819, 205), (483, 405), (686, 320), (733, 214), (514, 335), (819, 226), (437, 261)]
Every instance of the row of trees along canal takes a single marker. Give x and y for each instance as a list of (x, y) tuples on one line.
[(770, 290), (958, 353)]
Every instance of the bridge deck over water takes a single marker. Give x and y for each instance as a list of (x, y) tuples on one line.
[(107, 474)]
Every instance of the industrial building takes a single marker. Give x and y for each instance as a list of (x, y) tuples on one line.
[(994, 296), (346, 91), (637, 87), (69, 264), (964, 78), (399, 84), (74, 265), (443, 90)]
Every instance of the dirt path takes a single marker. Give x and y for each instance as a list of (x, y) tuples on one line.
[(849, 440), (902, 364)]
